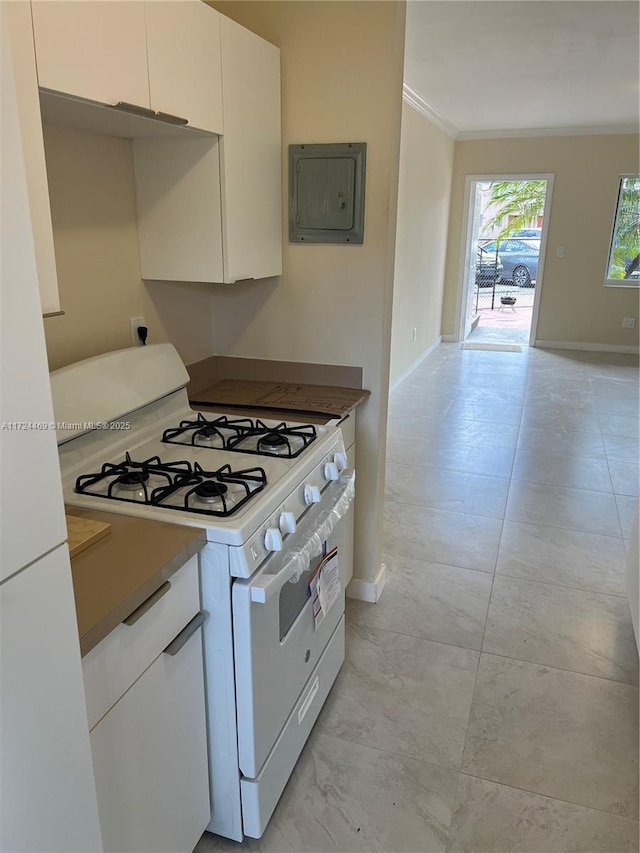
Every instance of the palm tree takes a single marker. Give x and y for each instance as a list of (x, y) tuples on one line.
[(518, 203), (625, 254)]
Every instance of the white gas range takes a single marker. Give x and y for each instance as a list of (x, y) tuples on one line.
[(273, 499)]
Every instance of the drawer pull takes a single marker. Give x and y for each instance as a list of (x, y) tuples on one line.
[(311, 695), (187, 632), (124, 107), (139, 612), (171, 119)]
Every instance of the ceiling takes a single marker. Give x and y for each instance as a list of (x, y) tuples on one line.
[(481, 68)]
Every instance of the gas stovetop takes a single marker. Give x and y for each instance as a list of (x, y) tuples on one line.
[(242, 435), (130, 443), (212, 481), (179, 485), (196, 465)]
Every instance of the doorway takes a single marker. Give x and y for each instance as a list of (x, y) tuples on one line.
[(502, 259)]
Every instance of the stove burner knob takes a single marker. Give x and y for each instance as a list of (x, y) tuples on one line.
[(272, 539), (331, 471), (341, 460), (311, 494), (287, 522)]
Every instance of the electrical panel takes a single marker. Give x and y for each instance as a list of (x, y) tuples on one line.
[(326, 193)]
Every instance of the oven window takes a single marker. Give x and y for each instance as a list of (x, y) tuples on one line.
[(294, 596)]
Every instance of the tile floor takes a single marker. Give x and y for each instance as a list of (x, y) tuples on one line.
[(489, 701)]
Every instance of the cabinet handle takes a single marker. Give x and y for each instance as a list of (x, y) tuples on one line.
[(187, 632), (135, 109), (145, 112), (171, 119), (139, 612)]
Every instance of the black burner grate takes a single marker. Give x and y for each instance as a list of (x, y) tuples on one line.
[(184, 486), (222, 428), (249, 481), (281, 440), (242, 435)]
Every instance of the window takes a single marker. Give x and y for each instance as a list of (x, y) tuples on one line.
[(623, 269)]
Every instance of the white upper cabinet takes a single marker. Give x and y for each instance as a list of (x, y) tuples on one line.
[(17, 19), (209, 211), (208, 154), (95, 50), (162, 55), (28, 448), (251, 155), (185, 77), (178, 199)]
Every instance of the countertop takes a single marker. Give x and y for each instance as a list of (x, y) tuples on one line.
[(117, 574), (324, 401)]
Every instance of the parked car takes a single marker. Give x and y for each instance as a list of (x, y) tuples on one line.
[(489, 270), (519, 258)]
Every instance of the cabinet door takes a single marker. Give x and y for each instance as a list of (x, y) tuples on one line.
[(178, 198), (46, 776), (18, 19), (185, 77), (28, 450), (95, 49), (150, 759), (251, 155)]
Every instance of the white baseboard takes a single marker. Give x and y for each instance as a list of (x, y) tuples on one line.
[(449, 339), (580, 345), (368, 590), (406, 373)]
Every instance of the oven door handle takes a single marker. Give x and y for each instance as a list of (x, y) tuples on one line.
[(267, 585)]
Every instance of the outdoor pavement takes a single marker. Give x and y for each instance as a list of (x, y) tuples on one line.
[(504, 326)]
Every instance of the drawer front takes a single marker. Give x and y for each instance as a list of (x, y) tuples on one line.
[(260, 796), (150, 759), (115, 663)]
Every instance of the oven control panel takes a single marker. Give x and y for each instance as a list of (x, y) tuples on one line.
[(272, 535)]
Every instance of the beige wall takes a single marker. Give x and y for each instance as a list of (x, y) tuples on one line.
[(93, 208), (426, 169), (574, 307), (341, 81)]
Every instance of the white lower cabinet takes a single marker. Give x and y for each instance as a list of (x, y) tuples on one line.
[(144, 686), (150, 759), (47, 799)]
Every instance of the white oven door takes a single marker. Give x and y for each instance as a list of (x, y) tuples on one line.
[(276, 642)]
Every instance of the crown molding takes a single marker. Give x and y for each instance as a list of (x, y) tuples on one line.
[(415, 99), (592, 130), (419, 104)]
